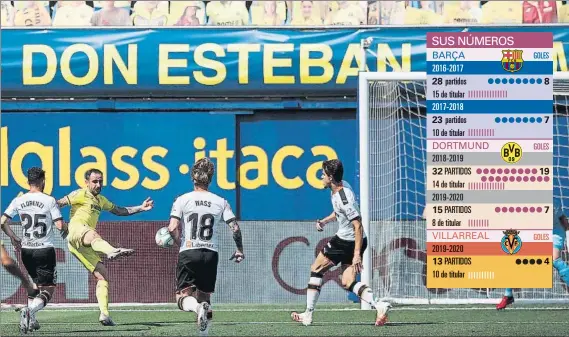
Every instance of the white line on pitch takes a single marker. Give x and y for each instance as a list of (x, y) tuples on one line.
[(295, 323), (87, 309)]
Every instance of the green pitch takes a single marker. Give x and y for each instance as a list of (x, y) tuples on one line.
[(336, 320)]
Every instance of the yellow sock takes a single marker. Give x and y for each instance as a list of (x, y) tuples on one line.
[(102, 293), (101, 246)]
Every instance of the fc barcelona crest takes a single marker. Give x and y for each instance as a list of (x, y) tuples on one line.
[(511, 242), (512, 60)]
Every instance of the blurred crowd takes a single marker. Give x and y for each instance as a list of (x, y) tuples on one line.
[(278, 13)]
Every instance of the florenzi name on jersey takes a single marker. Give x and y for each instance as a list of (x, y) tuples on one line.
[(30, 203)]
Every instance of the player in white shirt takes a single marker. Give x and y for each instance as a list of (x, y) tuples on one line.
[(38, 212), (200, 214), (346, 247)]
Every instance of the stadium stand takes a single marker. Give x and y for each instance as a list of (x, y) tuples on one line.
[(279, 13)]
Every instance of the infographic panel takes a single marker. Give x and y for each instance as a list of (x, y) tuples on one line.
[(489, 195)]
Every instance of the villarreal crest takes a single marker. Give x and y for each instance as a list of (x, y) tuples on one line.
[(511, 242), (512, 60)]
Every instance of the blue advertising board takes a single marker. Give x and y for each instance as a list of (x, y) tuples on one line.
[(150, 154), (287, 185), (141, 154), (207, 62)]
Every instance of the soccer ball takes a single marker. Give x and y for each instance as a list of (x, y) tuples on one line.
[(163, 238)]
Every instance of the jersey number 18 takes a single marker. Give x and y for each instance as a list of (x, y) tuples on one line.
[(205, 224)]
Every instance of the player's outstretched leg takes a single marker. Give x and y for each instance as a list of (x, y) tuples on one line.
[(93, 239), (365, 294), (506, 300), (320, 266)]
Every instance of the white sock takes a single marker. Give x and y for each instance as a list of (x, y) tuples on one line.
[(190, 304), (37, 305), (366, 294), (313, 292)]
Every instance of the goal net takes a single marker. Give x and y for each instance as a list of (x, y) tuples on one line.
[(393, 163)]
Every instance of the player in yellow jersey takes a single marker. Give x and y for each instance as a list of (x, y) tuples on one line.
[(85, 243)]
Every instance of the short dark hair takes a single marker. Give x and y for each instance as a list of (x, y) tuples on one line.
[(36, 176), (91, 171), (334, 168), (202, 172)]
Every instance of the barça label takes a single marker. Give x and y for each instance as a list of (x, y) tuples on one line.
[(489, 186)]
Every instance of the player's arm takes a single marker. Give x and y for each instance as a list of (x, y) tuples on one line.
[(173, 229), (237, 236), (58, 219), (146, 205), (8, 215), (352, 212), (231, 221), (175, 218), (71, 199), (320, 223)]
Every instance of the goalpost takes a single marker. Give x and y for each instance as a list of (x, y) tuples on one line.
[(392, 164)]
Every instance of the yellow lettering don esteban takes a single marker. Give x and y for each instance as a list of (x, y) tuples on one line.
[(313, 63)]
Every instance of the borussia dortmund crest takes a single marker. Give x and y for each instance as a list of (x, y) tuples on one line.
[(511, 242), (512, 60)]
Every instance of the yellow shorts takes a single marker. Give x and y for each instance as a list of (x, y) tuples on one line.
[(86, 255), (76, 233)]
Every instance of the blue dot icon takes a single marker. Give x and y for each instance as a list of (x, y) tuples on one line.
[(531, 81), (497, 119), (490, 81), (511, 81), (504, 120), (497, 81), (525, 119), (525, 80), (539, 81), (511, 119), (518, 81), (532, 120), (504, 81), (518, 120), (539, 119)]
